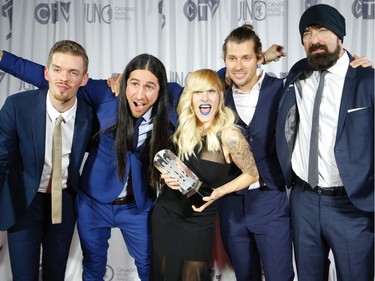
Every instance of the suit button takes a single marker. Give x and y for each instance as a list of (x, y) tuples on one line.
[(251, 139)]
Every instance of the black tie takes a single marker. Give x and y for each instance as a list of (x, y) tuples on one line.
[(137, 123), (313, 175)]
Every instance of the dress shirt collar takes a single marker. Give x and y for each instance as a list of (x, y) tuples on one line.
[(147, 116), (339, 68)]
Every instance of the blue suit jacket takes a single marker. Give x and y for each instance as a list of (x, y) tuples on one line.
[(354, 147), (99, 176), (261, 132), (22, 144)]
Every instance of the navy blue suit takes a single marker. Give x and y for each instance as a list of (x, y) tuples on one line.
[(255, 224), (24, 212), (343, 224), (100, 183)]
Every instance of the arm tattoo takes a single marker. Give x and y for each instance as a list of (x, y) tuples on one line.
[(240, 152)]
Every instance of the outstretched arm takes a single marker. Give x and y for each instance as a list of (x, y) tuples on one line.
[(273, 54), (28, 71), (95, 91)]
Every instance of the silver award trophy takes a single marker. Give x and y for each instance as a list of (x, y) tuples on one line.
[(168, 163)]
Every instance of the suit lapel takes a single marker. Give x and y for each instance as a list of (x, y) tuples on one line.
[(347, 97), (80, 133), (38, 120), (229, 101)]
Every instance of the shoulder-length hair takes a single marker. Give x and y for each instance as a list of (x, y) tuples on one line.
[(187, 136), (124, 129)]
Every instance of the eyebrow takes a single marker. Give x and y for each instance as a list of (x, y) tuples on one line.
[(72, 69), (137, 80)]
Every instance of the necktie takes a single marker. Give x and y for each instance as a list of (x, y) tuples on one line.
[(313, 175), (56, 190), (137, 123)]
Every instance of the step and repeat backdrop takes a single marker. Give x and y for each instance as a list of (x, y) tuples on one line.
[(185, 34)]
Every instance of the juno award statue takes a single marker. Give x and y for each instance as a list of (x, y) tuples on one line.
[(168, 163)]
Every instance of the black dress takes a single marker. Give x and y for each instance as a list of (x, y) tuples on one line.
[(179, 234)]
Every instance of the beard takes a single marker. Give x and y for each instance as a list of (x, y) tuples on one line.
[(322, 61)]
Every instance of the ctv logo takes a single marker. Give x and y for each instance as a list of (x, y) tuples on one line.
[(202, 9), (364, 9), (45, 12)]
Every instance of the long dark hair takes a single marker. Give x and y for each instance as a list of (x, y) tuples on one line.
[(124, 133)]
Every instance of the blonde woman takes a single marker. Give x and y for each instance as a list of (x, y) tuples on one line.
[(209, 143)]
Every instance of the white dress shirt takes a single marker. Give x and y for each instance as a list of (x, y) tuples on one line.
[(328, 119), (67, 129), (246, 105)]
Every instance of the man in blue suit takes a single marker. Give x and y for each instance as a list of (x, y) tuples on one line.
[(255, 222), (26, 130), (336, 211)]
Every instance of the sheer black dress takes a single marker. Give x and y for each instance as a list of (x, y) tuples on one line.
[(183, 239)]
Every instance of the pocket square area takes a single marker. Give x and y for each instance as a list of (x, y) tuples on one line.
[(356, 109)]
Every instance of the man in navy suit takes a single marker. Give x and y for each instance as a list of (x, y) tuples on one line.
[(337, 212), (255, 222), (26, 130)]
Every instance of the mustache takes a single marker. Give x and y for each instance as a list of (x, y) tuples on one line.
[(317, 47)]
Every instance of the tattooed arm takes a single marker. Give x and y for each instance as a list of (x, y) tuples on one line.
[(237, 149)]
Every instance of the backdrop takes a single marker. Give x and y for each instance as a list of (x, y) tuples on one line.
[(185, 34)]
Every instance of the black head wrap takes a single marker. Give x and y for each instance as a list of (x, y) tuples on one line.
[(323, 15)]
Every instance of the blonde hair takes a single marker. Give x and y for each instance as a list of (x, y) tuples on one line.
[(187, 135)]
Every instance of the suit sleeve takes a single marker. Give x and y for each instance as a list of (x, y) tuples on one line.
[(174, 92), (96, 92), (8, 138), (28, 71)]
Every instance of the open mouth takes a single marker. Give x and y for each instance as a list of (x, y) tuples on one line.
[(138, 105), (205, 109)]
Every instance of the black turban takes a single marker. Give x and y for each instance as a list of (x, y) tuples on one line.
[(323, 15)]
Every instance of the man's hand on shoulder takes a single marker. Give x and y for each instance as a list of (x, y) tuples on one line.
[(361, 61), (114, 83)]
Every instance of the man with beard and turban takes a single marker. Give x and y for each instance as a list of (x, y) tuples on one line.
[(332, 201)]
